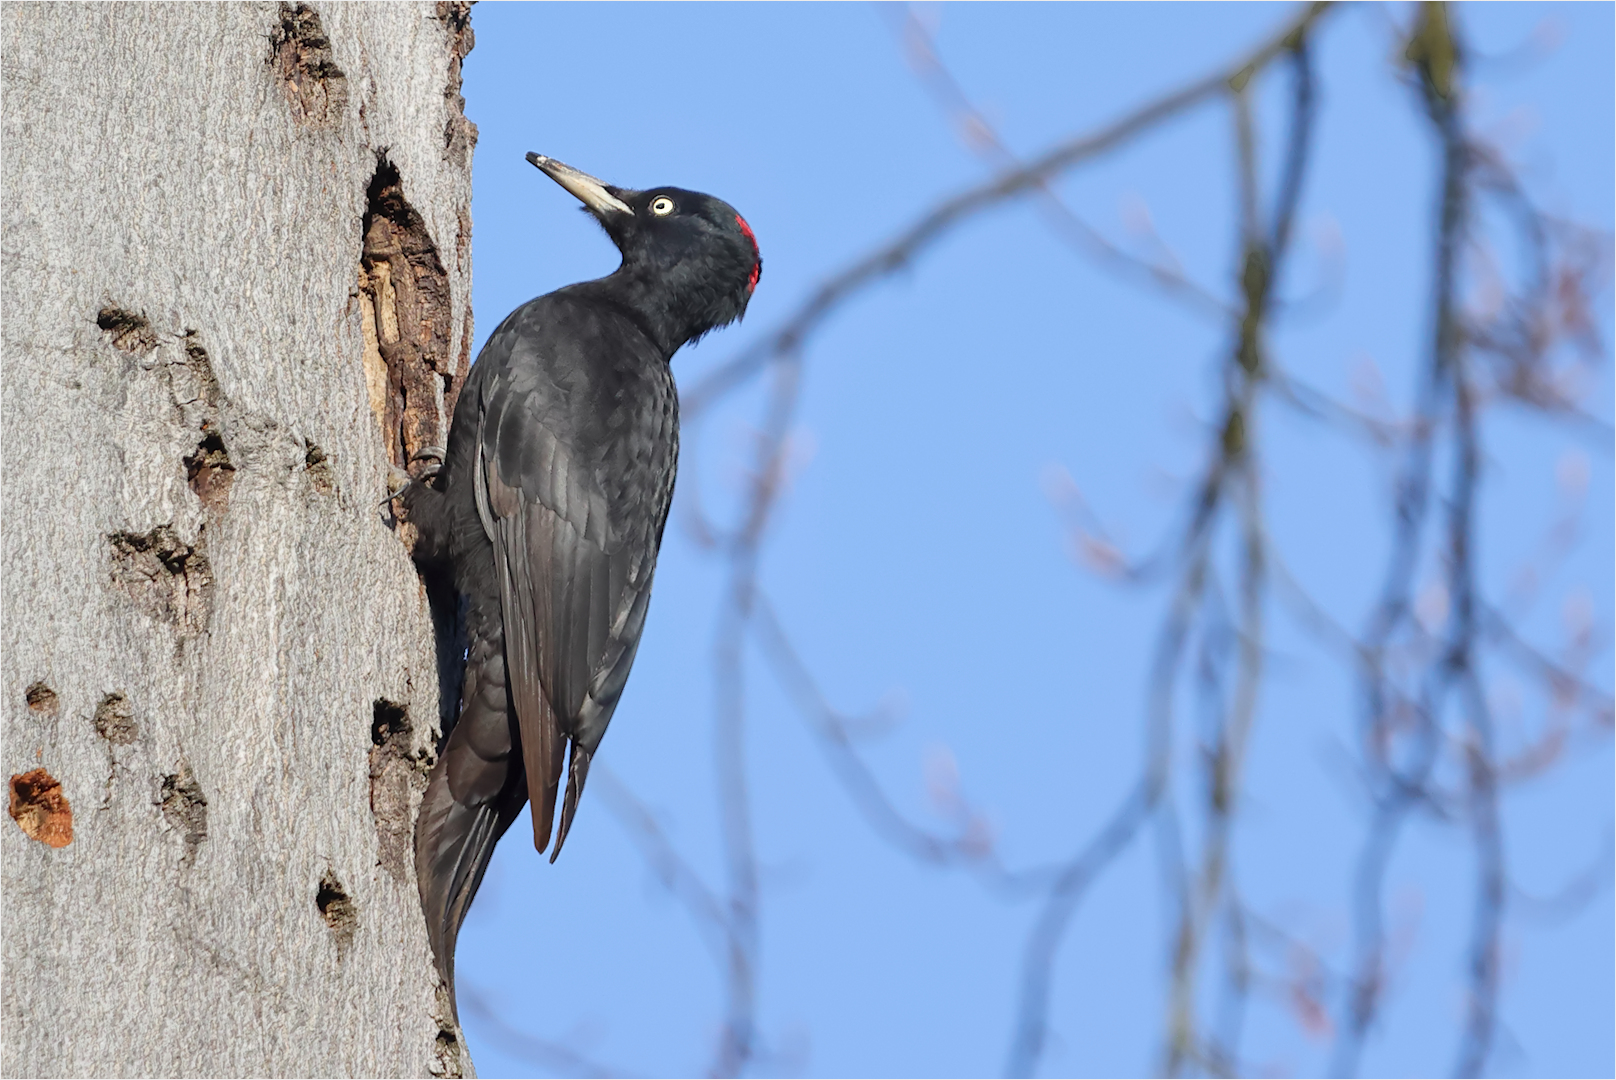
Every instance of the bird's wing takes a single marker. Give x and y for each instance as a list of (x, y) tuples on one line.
[(573, 593)]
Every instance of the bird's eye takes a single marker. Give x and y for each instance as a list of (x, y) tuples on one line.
[(661, 206)]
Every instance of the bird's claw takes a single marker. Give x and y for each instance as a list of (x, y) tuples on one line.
[(399, 481), (434, 454)]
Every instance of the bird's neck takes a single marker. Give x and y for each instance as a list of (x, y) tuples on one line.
[(669, 316)]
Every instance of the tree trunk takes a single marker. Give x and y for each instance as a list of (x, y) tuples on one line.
[(236, 289)]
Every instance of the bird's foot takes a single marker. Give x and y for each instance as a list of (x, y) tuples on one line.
[(434, 453), (399, 481)]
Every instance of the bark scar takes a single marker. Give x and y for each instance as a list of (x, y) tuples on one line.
[(40, 809)]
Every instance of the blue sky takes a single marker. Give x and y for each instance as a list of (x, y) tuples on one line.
[(918, 557)]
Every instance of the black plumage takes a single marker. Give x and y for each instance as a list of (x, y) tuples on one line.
[(548, 511)]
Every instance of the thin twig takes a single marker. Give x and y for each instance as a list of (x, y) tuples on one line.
[(982, 136), (931, 226), (1435, 54), (549, 1055)]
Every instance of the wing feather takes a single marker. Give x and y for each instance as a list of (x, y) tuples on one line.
[(574, 579), (542, 740)]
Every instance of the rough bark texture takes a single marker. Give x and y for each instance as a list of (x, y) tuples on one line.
[(219, 681)]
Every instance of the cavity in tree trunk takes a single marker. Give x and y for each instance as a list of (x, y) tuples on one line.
[(236, 286)]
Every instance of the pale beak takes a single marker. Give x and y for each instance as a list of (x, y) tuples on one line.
[(589, 191)]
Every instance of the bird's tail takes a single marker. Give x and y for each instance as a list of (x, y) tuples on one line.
[(577, 773), (476, 790)]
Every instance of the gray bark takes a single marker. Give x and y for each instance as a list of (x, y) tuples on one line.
[(213, 638)]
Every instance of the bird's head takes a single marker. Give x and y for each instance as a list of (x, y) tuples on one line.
[(687, 257)]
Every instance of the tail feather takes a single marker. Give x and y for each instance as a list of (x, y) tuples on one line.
[(476, 790), (454, 844), (577, 773)]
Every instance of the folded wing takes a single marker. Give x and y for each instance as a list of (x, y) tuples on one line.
[(574, 585)]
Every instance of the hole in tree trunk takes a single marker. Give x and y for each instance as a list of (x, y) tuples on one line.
[(338, 911), (315, 87), (397, 779), (128, 332), (115, 720), (407, 322), (185, 808), (167, 578), (42, 699), (210, 472)]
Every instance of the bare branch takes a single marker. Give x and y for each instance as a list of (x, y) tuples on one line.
[(551, 1056), (934, 224), (970, 848), (1572, 898), (1435, 54), (676, 875), (982, 137)]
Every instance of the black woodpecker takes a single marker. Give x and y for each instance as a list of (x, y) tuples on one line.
[(548, 510)]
